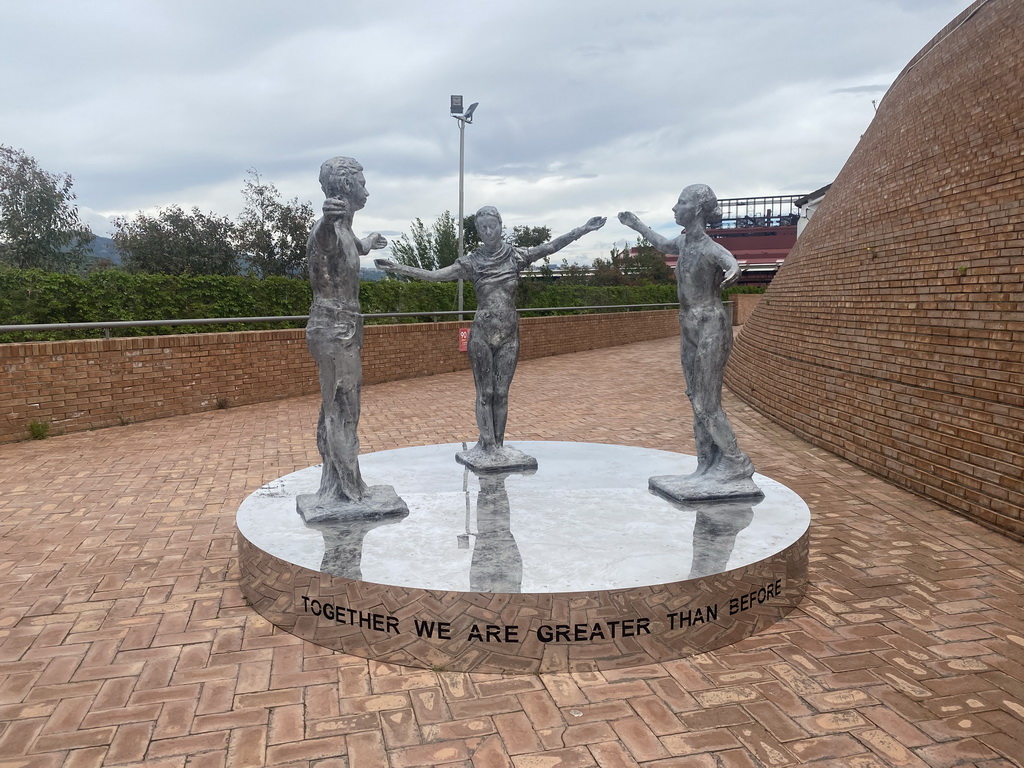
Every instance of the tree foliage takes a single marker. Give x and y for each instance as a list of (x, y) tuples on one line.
[(470, 237), (272, 234), (268, 239), (446, 239), (173, 242), (39, 224), (528, 237), (428, 248), (523, 236), (437, 246), (573, 273), (417, 249), (639, 265)]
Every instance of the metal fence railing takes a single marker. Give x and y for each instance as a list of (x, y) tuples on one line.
[(108, 326), (769, 211)]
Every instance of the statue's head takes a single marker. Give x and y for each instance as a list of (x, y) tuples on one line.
[(697, 200), (489, 210), (488, 225), (342, 177)]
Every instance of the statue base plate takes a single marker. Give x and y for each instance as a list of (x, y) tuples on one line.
[(504, 459), (686, 488), (378, 501), (576, 566)]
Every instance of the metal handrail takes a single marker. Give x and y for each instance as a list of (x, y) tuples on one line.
[(106, 326), (145, 323)]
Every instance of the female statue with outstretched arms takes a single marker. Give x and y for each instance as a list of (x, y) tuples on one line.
[(494, 270)]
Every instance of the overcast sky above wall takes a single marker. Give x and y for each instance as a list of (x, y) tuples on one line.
[(586, 108)]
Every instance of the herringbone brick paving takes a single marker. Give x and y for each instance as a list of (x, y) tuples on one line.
[(124, 639)]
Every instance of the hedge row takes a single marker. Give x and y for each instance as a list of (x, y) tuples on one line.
[(37, 297)]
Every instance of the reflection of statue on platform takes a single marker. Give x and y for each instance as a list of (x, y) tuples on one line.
[(494, 339), (334, 334), (343, 543), (704, 268), (714, 532), (497, 565)]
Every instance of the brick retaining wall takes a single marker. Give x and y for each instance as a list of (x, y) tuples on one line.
[(79, 385), (743, 305)]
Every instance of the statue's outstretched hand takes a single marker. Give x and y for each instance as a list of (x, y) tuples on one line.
[(629, 219), (376, 241), (730, 277), (335, 208), (384, 264)]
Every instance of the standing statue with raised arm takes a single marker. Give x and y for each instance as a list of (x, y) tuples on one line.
[(334, 334), (493, 269), (704, 268)]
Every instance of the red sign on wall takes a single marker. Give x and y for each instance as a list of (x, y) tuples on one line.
[(463, 339)]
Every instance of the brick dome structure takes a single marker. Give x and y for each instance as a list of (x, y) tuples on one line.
[(893, 335)]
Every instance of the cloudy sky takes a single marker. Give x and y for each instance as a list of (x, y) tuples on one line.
[(586, 108)]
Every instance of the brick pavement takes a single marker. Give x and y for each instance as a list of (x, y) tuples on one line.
[(124, 639)]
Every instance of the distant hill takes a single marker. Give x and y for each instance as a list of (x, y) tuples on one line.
[(102, 250)]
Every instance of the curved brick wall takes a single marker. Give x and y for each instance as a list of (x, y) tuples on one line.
[(893, 334)]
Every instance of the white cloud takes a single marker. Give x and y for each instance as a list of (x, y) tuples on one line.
[(585, 108)]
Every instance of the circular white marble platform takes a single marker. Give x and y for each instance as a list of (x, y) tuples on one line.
[(574, 566)]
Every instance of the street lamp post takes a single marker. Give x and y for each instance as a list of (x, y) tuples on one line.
[(464, 120)]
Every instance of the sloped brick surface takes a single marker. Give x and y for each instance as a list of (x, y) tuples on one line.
[(893, 334), (124, 640)]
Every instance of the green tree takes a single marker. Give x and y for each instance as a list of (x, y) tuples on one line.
[(522, 235), (39, 224), (574, 274), (417, 250), (272, 234), (438, 246), (529, 237), (173, 242), (431, 248), (446, 240), (470, 238), (639, 265)]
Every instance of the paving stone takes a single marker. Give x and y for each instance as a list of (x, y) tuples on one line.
[(590, 733), (124, 638), (517, 733)]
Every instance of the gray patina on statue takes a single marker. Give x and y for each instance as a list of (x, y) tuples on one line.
[(493, 269), (334, 334), (704, 268)]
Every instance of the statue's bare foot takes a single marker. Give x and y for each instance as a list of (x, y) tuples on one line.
[(497, 459)]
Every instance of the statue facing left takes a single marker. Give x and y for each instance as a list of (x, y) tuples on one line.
[(334, 334)]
